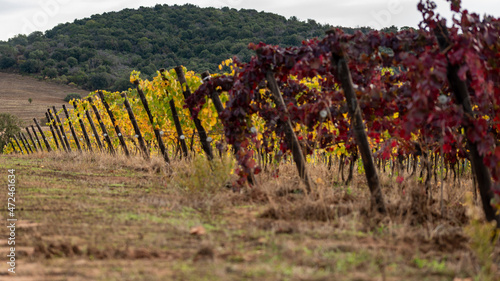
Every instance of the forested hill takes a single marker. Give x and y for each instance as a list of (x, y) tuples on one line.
[(99, 52)]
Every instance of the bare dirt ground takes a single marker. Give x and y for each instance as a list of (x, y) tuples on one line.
[(101, 217), (15, 90)]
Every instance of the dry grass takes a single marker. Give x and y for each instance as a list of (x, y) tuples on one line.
[(101, 217)]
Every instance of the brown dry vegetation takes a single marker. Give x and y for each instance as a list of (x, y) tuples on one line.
[(100, 217), (15, 90)]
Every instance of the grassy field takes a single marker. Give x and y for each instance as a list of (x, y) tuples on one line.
[(16, 90), (99, 217)]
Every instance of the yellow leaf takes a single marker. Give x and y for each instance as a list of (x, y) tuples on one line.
[(213, 122)]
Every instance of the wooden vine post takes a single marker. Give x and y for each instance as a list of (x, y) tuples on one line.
[(461, 93), (18, 145), (25, 139), (32, 139), (103, 128), (52, 131), (177, 122), (58, 132), (14, 146), (156, 130), (178, 127), (344, 75), (36, 137), (61, 128), (25, 143), (290, 136), (47, 145), (137, 130), (214, 96), (72, 129), (205, 142), (84, 130), (94, 130), (113, 120)]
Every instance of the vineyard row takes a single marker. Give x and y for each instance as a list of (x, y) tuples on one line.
[(425, 94)]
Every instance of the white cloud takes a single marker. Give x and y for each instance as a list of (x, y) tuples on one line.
[(30, 15)]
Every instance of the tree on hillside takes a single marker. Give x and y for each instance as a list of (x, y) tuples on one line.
[(7, 62), (98, 81), (31, 66)]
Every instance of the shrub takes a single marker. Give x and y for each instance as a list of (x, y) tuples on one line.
[(9, 126), (72, 96)]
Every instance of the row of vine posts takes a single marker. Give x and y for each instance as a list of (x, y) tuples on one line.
[(341, 70), (22, 144)]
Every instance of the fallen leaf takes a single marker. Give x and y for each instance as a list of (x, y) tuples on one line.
[(198, 230)]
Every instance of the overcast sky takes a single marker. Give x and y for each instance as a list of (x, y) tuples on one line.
[(26, 16)]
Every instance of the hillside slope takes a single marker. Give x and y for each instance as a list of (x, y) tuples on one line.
[(100, 52), (16, 90)]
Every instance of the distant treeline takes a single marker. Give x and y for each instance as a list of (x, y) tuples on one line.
[(100, 52)]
